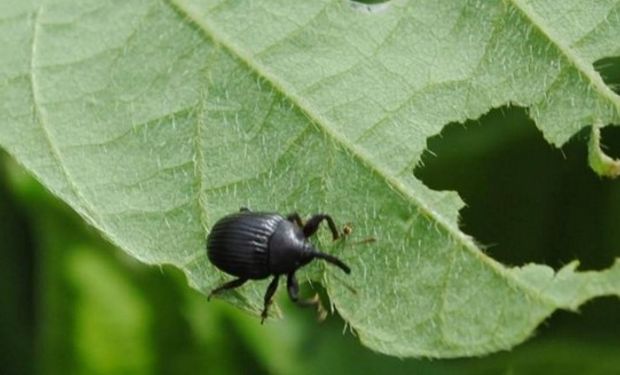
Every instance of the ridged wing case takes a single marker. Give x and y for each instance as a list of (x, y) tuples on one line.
[(238, 244)]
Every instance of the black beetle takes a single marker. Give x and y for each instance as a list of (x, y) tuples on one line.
[(256, 245)]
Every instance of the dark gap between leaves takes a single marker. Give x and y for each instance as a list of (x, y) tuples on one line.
[(592, 324), (526, 201), (610, 141), (18, 288)]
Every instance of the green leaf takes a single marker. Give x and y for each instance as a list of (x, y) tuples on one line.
[(153, 119)]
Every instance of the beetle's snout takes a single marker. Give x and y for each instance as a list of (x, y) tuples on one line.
[(333, 260)]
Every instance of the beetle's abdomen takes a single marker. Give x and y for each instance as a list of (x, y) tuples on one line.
[(238, 244)]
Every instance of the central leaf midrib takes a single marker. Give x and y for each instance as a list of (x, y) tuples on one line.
[(281, 87)]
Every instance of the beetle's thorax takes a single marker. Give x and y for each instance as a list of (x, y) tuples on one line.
[(288, 249)]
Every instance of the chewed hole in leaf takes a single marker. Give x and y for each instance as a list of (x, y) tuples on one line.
[(609, 69), (525, 200)]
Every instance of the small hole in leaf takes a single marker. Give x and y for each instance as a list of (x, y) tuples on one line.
[(526, 201), (609, 69), (370, 6), (369, 2)]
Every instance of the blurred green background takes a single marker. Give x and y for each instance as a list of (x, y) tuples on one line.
[(70, 303)]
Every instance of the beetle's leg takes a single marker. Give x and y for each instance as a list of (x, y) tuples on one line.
[(293, 292), (271, 290), (312, 225), (229, 285), (244, 209), (295, 218)]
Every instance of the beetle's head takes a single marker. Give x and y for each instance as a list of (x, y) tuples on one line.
[(304, 256)]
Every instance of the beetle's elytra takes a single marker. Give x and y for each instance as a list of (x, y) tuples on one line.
[(256, 245)]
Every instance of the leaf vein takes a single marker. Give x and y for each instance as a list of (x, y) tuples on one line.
[(580, 66), (38, 117)]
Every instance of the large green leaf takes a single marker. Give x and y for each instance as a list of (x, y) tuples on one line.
[(152, 119)]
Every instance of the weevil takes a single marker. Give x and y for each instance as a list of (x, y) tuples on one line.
[(256, 245)]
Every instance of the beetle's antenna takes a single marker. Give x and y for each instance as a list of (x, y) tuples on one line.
[(333, 260)]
